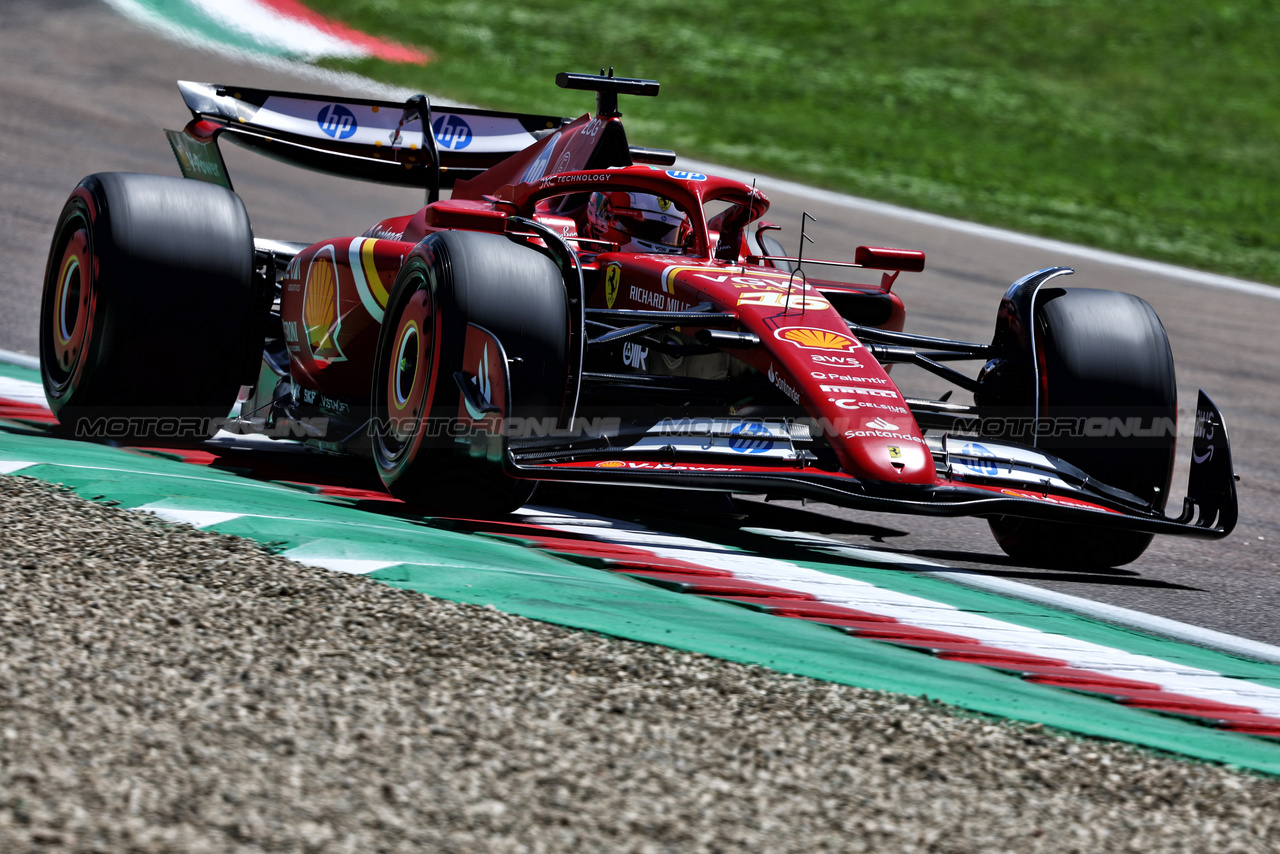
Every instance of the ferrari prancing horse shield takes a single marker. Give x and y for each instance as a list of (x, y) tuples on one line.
[(612, 284)]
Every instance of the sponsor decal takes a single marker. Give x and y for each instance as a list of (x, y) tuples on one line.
[(574, 178), (635, 356), (815, 339), (1066, 502), (785, 387), (198, 160), (882, 434), (849, 403), (838, 361), (538, 167), (1204, 430), (290, 330), (308, 395), (649, 298), (685, 176), (854, 389), (381, 232), (751, 437), (452, 132), (337, 121), (783, 300), (482, 384), (821, 375), (320, 315), (334, 405), (973, 449), (617, 464), (881, 424)]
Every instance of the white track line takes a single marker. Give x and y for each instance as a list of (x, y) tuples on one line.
[(21, 359), (920, 611), (1114, 614)]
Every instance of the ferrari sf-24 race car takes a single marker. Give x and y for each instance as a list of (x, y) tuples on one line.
[(580, 310)]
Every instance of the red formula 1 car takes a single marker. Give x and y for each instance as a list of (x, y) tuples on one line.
[(580, 310)]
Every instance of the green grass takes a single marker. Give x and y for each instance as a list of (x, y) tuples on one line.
[(1150, 127)]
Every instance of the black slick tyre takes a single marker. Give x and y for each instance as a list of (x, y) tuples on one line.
[(454, 279), (1106, 367), (151, 310)]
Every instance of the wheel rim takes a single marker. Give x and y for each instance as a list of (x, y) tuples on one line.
[(71, 309), (407, 390)]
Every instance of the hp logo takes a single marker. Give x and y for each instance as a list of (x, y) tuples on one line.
[(750, 438), (973, 449), (685, 176), (452, 132), (337, 121)]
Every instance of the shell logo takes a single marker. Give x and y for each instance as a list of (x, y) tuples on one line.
[(610, 464), (816, 339), (320, 310)]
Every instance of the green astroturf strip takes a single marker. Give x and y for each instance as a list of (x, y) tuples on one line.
[(192, 19), (485, 570), (18, 372)]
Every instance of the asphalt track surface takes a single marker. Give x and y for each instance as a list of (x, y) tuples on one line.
[(84, 90)]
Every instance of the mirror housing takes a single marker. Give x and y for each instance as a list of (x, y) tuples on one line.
[(880, 258)]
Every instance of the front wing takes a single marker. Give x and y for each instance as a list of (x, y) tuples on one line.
[(1007, 480)]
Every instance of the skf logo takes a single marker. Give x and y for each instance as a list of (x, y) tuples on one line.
[(816, 339), (612, 283), (452, 132), (337, 121)]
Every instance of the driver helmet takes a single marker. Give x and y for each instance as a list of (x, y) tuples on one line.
[(637, 222)]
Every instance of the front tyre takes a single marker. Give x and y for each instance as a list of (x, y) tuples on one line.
[(1105, 364)]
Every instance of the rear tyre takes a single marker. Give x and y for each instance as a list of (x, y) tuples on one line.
[(453, 279), (1105, 361), (150, 312)]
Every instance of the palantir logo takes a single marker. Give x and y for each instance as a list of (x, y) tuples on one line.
[(337, 121), (451, 132)]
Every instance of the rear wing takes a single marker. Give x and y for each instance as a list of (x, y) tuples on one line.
[(382, 141)]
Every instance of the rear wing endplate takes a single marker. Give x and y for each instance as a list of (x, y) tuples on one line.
[(360, 138)]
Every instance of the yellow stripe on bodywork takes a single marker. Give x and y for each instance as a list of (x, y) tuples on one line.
[(365, 272)]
